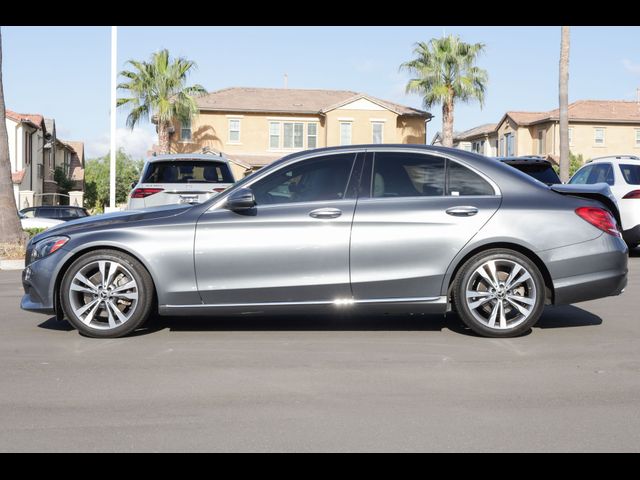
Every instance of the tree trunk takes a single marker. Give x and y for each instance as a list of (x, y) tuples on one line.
[(10, 227), (564, 105), (447, 123), (163, 137)]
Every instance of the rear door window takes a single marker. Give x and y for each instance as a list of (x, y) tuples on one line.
[(400, 174), (186, 171), (631, 173), (461, 181), (582, 176)]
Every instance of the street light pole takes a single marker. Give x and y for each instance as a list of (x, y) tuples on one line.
[(114, 76)]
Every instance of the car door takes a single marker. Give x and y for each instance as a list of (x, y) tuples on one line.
[(418, 212), (292, 247)]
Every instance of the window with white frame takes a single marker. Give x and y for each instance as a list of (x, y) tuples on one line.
[(345, 133), (312, 135), (637, 137), (598, 136), (274, 134), (570, 136), (185, 130), (377, 129), (234, 130)]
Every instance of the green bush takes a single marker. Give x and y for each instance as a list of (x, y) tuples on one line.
[(575, 162), (32, 232)]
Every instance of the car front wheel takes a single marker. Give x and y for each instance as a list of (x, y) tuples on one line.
[(106, 294), (499, 293)]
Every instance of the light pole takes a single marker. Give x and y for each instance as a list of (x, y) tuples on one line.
[(114, 77)]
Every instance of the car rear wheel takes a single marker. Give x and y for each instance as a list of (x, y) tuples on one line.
[(499, 293), (106, 294)]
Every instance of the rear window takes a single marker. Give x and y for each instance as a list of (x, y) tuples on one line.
[(185, 171), (48, 212), (631, 173), (540, 171)]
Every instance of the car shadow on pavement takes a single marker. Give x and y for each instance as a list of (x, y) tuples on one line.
[(552, 317)]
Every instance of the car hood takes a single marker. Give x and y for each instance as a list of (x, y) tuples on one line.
[(115, 218)]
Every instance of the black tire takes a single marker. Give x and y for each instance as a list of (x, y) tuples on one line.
[(145, 293), (464, 276)]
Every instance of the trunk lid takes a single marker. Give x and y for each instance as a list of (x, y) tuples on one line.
[(182, 193), (596, 191)]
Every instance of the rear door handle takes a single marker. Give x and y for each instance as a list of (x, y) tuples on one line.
[(325, 213), (462, 211)]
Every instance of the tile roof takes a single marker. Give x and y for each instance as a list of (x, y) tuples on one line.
[(288, 100), (33, 118), (475, 131), (617, 111)]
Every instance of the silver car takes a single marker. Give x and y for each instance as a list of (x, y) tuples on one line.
[(180, 178), (393, 228)]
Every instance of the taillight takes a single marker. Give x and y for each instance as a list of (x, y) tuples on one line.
[(145, 192), (599, 218), (633, 194)]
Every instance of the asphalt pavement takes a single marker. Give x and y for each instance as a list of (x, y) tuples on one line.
[(385, 383)]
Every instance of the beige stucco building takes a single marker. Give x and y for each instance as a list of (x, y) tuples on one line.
[(255, 126), (596, 128)]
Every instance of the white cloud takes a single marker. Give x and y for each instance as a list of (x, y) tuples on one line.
[(631, 66), (134, 142)]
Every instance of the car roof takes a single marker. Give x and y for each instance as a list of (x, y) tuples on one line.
[(188, 156), (616, 158), (52, 206)]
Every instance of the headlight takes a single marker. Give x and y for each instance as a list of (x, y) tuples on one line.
[(47, 247)]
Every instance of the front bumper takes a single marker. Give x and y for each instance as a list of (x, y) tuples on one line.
[(39, 282), (589, 270)]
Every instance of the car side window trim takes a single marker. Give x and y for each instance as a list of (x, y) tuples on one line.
[(370, 169)]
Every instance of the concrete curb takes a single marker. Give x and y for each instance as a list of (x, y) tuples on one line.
[(12, 264)]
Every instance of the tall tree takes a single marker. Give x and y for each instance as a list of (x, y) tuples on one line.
[(10, 228), (564, 104), (445, 71), (157, 90)]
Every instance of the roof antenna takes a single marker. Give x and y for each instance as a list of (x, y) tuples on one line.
[(286, 81)]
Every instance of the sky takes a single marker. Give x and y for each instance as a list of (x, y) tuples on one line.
[(64, 72)]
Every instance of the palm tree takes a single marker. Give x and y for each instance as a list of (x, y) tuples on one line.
[(445, 71), (10, 228), (564, 104), (158, 90)]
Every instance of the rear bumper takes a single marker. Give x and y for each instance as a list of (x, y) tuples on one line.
[(588, 270), (632, 236)]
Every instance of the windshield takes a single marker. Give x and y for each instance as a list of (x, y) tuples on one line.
[(187, 171), (540, 171), (631, 173)]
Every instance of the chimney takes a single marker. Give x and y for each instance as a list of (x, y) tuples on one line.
[(286, 81)]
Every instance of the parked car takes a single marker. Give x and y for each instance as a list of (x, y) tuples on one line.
[(38, 222), (534, 166), (57, 212), (622, 174), (382, 228), (171, 179)]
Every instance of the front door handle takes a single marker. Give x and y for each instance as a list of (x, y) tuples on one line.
[(325, 213), (462, 211)]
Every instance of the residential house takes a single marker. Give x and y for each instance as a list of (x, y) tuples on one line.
[(255, 126), (482, 139), (35, 152)]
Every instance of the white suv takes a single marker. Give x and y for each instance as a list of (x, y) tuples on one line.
[(622, 174), (183, 178)]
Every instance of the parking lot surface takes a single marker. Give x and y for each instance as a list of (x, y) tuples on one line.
[(384, 383)]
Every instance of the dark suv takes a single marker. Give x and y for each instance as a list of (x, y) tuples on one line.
[(536, 167), (61, 212)]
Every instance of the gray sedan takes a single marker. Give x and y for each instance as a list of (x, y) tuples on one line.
[(393, 228)]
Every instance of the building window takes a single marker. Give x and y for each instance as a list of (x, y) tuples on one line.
[(377, 131), (67, 163), (274, 135), (40, 170), (598, 136), (293, 135), (345, 133), (570, 136), (541, 146), (508, 138), (185, 130), (312, 135), (234, 130), (637, 137), (502, 147)]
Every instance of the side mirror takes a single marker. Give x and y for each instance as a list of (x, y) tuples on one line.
[(241, 199)]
